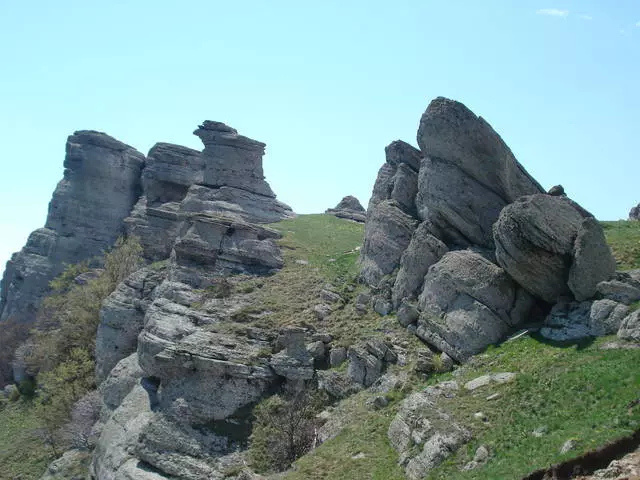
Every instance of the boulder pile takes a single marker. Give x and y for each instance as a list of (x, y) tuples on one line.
[(349, 207), (467, 246)]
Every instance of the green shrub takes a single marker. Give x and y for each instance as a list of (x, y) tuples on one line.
[(284, 429)]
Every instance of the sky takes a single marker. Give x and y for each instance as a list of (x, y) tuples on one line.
[(325, 84)]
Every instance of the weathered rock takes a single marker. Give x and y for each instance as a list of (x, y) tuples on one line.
[(630, 327), (122, 318), (337, 356), (423, 433), (423, 251), (407, 313), (294, 362), (322, 311), (466, 304), (121, 380), (364, 367), (592, 260), (535, 243), (621, 288), (484, 380), (634, 213), (72, 465), (387, 235), (391, 216), (575, 320), (100, 186), (337, 384), (232, 160), (467, 176), (350, 208)]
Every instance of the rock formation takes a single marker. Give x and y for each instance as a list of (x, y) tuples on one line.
[(634, 213), (349, 207), (100, 186), (464, 243)]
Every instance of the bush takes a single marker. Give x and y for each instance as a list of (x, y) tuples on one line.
[(284, 429), (12, 333)]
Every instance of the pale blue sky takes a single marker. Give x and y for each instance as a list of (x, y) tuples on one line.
[(326, 84)]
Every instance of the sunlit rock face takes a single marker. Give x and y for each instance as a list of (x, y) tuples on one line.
[(101, 184)]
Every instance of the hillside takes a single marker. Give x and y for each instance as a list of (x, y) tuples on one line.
[(468, 324), (578, 392)]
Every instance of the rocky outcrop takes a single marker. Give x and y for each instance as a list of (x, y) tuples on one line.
[(391, 216), (425, 434), (201, 370), (468, 174), (465, 245), (224, 180), (634, 213), (101, 184), (467, 303), (122, 318), (547, 246), (349, 207)]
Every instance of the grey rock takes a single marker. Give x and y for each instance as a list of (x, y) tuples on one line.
[(423, 251), (382, 306), (575, 320), (630, 327), (122, 318), (622, 288), (568, 446), (350, 208), (540, 431), (322, 311), (387, 234), (556, 191), (424, 434), (68, 466), (534, 239), (232, 160), (634, 213), (101, 183), (121, 380), (337, 356), (295, 363), (322, 337), (337, 384), (317, 350), (380, 402), (484, 380), (466, 304), (467, 176), (364, 367), (592, 260), (407, 313), (329, 296)]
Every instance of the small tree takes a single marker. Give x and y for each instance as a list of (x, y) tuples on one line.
[(84, 415), (284, 429)]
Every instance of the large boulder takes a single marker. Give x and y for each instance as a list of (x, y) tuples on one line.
[(467, 176), (634, 213), (101, 184), (387, 235), (350, 208), (391, 216), (630, 327), (423, 251), (468, 303), (550, 249)]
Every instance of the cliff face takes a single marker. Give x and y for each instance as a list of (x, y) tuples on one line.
[(101, 184)]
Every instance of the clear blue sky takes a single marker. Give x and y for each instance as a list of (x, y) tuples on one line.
[(326, 84)]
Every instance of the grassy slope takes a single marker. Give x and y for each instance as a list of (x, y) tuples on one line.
[(576, 392), (22, 454)]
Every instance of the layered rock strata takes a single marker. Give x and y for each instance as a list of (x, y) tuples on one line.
[(101, 184)]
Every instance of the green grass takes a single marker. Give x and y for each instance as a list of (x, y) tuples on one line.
[(365, 436), (22, 455), (624, 239), (579, 393)]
